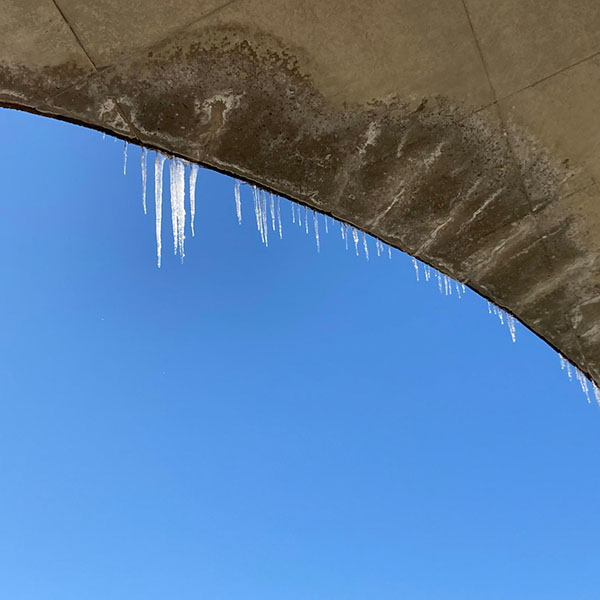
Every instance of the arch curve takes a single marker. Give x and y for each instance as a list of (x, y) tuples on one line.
[(447, 129)]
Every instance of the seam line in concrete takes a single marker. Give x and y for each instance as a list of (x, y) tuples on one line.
[(74, 33), (479, 50), (83, 49), (518, 170), (530, 85)]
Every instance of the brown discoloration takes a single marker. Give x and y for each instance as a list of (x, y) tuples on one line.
[(428, 176)]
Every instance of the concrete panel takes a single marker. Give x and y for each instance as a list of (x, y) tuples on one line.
[(113, 29), (524, 41), (557, 115), (356, 51)]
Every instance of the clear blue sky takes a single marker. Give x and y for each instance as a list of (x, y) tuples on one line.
[(263, 424)]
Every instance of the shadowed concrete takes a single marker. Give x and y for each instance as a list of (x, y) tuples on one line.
[(464, 132)]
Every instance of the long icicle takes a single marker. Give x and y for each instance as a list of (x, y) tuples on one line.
[(263, 209), (193, 178), (316, 226), (278, 208), (158, 185), (125, 145), (173, 197), (238, 201), (272, 208), (144, 176), (180, 186)]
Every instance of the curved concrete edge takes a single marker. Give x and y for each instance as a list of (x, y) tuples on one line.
[(465, 189)]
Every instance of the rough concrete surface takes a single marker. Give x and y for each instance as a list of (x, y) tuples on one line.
[(464, 132)]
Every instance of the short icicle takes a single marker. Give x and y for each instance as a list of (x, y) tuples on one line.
[(415, 265), (316, 227), (278, 209), (355, 239)]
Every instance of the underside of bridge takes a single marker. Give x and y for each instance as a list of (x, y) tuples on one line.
[(464, 132)]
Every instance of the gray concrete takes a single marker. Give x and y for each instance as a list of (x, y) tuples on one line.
[(466, 133)]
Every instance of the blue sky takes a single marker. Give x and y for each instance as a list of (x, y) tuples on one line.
[(263, 423)]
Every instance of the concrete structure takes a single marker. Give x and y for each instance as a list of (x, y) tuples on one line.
[(465, 132)]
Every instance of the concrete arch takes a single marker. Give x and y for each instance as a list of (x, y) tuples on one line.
[(463, 132)]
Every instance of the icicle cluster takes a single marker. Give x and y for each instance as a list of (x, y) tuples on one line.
[(584, 383), (445, 284), (504, 318), (177, 188), (267, 210)]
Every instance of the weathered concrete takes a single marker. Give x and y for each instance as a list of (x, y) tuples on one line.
[(466, 133)]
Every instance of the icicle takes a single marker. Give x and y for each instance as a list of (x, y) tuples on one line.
[(306, 219), (192, 185), (299, 216), (464, 289), (569, 372), (596, 393), (272, 207), (447, 286), (343, 231), (158, 185), (378, 246), (365, 247), (415, 265), (278, 208), (489, 305), (257, 212), (439, 280), (355, 239), (125, 144), (583, 383), (346, 234), (177, 186), (390, 252), (427, 270), (316, 226), (293, 212), (563, 362), (238, 201), (326, 224), (144, 175), (173, 194), (263, 211), (511, 327), (458, 292), (501, 316), (181, 204)]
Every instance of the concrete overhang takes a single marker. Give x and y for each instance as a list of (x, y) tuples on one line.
[(464, 132)]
